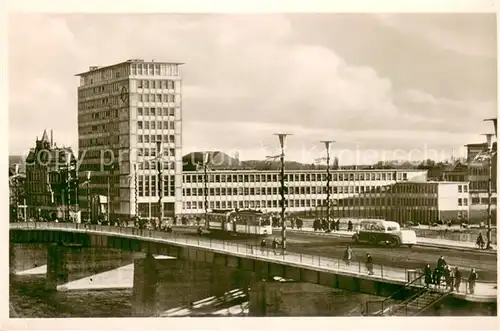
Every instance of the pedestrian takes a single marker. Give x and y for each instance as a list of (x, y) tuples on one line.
[(337, 225), (299, 223), (263, 246), (348, 255), (275, 245), (480, 241), (349, 226), (458, 279), (428, 275), (437, 277), (472, 280), (441, 263), (447, 277), (369, 263)]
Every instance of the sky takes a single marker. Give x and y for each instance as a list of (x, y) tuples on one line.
[(399, 86)]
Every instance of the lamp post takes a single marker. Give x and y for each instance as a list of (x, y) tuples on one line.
[(89, 208), (327, 144), (14, 183), (159, 153), (136, 206), (204, 165), (489, 142), (282, 137)]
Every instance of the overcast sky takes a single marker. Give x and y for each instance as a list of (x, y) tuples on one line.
[(383, 86)]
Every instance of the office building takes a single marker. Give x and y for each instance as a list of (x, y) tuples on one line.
[(124, 110), (477, 176), (401, 195)]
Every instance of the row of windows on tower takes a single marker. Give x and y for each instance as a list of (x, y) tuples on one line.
[(156, 84), (156, 97), (153, 69), (146, 139), (100, 141), (153, 165), (155, 111), (150, 188), (156, 125)]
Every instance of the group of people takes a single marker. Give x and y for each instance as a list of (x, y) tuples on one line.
[(452, 278), (322, 224), (275, 244), (368, 260)]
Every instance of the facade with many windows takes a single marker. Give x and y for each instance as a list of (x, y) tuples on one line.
[(51, 183), (478, 175), (399, 195), (124, 111)]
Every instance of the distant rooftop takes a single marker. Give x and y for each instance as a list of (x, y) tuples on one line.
[(98, 68)]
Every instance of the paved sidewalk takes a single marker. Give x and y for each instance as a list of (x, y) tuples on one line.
[(420, 240)]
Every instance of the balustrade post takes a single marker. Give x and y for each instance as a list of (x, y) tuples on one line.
[(319, 260), (300, 257)]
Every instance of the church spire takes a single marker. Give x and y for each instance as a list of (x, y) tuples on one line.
[(45, 136)]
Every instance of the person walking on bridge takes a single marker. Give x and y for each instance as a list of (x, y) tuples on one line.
[(441, 263), (472, 280), (263, 246), (428, 275), (480, 241), (369, 263), (348, 255), (458, 279)]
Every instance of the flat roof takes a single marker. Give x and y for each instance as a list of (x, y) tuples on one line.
[(131, 61), (249, 171)]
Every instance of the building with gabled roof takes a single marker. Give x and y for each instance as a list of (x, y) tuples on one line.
[(51, 184)]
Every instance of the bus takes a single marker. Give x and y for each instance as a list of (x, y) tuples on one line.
[(376, 231), (243, 221)]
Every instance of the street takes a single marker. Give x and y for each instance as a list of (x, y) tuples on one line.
[(416, 257)]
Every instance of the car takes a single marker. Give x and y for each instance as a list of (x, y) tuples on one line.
[(376, 231)]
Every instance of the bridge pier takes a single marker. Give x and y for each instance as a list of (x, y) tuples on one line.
[(162, 284), (57, 271), (273, 298)]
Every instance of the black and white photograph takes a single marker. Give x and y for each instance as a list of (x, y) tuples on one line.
[(175, 165)]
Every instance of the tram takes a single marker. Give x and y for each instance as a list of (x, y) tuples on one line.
[(243, 221)]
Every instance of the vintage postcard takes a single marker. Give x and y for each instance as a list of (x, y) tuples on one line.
[(165, 165)]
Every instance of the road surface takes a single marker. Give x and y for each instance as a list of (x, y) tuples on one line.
[(403, 257)]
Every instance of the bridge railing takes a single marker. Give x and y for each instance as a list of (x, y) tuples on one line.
[(321, 262)]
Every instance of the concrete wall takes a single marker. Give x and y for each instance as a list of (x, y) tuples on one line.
[(162, 284), (66, 264), (274, 298), (448, 196), (26, 256)]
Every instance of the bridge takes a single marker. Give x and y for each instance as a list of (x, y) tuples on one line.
[(242, 259)]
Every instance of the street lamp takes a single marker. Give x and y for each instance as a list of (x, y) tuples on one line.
[(204, 165), (134, 177), (87, 182), (327, 144), (489, 157), (282, 137), (159, 157)]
